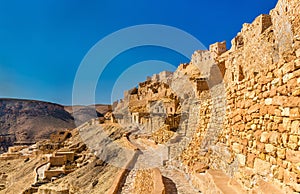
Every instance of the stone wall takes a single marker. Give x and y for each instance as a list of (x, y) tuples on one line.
[(260, 136), (239, 109), (58, 160)]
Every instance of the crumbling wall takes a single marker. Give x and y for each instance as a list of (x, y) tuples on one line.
[(260, 137)]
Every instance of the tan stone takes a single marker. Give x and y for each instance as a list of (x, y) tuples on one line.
[(296, 92), (293, 156), (293, 139), (290, 178), (292, 146), (292, 101), (292, 84), (253, 108), (264, 137), (298, 53), (269, 148), (288, 67), (260, 146), (295, 113), (281, 153), (284, 138), (278, 119), (250, 160), (296, 168), (285, 112), (237, 148), (279, 100), (274, 137), (241, 159), (286, 123), (262, 167), (295, 127)]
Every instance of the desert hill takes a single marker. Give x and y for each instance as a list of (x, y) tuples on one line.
[(32, 120)]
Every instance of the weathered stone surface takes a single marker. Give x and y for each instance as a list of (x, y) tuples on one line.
[(262, 167), (261, 120), (293, 156)]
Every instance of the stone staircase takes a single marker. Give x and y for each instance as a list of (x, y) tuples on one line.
[(216, 182)]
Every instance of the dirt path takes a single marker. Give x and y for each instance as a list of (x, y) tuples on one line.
[(174, 181)]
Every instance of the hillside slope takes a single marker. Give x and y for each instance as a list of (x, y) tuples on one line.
[(31, 120)]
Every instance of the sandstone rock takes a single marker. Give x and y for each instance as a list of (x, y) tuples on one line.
[(241, 159), (268, 101), (237, 148), (293, 156), (269, 148), (262, 167), (298, 53), (296, 92), (295, 113), (250, 160), (281, 153), (295, 127), (264, 137), (288, 67), (274, 137)]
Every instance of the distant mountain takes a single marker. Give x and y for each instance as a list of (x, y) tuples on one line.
[(83, 114), (31, 120)]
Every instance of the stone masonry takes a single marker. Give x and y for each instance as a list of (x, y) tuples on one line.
[(236, 110)]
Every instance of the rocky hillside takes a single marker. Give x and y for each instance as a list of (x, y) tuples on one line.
[(227, 122), (83, 114), (31, 120)]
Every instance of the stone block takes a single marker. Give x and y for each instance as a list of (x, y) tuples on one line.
[(281, 153), (292, 101), (264, 137), (262, 167), (275, 82), (298, 53), (295, 127), (253, 108), (288, 67), (296, 92), (284, 138), (292, 84), (270, 148), (286, 123), (296, 168), (295, 113), (279, 100), (285, 112), (293, 156), (250, 160), (274, 137), (241, 159), (287, 77), (268, 101), (260, 147), (282, 90), (237, 148), (293, 139)]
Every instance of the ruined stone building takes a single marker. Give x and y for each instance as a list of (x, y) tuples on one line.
[(243, 116)]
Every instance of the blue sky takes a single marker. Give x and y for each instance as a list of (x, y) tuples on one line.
[(42, 43)]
